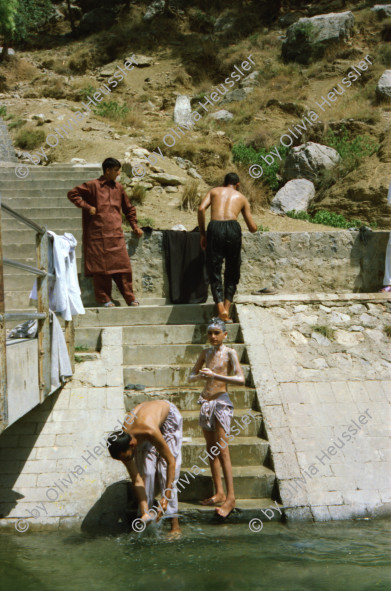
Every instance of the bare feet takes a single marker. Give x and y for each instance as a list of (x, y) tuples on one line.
[(175, 532), (225, 509), (220, 498)]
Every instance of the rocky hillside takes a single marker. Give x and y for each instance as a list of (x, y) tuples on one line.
[(294, 96)]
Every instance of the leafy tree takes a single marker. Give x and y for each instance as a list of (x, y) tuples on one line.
[(8, 12), (31, 15)]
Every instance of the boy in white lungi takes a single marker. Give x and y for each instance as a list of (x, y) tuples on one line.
[(150, 444), (387, 270), (217, 410)]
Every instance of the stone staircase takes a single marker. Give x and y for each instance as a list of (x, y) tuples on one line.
[(42, 197), (160, 346)]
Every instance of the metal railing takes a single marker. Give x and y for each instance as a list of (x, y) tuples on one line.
[(42, 314)]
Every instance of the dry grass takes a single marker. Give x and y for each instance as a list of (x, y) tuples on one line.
[(191, 197), (134, 118), (80, 61), (138, 194)]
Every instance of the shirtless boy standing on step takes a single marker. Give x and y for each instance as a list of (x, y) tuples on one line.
[(223, 239), (217, 410)]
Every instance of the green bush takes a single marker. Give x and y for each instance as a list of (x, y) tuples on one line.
[(3, 111), (327, 218), (111, 110), (86, 92), (248, 155), (351, 151), (29, 138)]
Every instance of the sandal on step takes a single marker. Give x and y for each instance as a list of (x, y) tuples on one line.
[(265, 291), (134, 303), (385, 289), (109, 305)]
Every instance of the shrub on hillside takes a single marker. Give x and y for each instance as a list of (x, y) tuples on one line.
[(29, 138)]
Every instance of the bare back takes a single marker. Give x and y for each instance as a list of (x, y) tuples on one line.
[(226, 203), (149, 418)]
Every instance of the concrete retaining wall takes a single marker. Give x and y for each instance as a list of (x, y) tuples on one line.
[(55, 470), (325, 402), (306, 262)]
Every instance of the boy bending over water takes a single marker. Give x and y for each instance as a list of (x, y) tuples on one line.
[(217, 410), (150, 444)]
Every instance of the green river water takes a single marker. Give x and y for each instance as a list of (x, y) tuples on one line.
[(340, 556)]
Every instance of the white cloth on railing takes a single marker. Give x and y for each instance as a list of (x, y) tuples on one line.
[(60, 363), (64, 290)]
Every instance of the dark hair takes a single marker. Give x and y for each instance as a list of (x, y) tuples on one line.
[(110, 163), (231, 179), (118, 441)]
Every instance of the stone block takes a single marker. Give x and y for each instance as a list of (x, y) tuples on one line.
[(96, 398), (115, 399), (299, 514), (286, 465), (320, 513), (62, 401), (55, 453), (325, 497)]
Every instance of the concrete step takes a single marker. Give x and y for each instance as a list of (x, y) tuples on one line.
[(158, 335), (17, 300), (142, 315), (163, 375), (250, 482), (46, 213), (244, 451), (46, 184), (21, 204), (245, 510), (27, 236), (170, 354), (186, 398), (26, 252)]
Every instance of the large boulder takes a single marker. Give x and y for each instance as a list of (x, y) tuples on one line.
[(308, 160), (296, 194), (182, 110), (309, 37), (383, 88), (97, 19), (382, 10), (222, 115), (154, 9)]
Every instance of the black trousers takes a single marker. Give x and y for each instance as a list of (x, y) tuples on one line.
[(223, 242)]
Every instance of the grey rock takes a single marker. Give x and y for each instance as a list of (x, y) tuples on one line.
[(239, 94), (356, 328), (308, 160), (382, 10), (296, 194), (349, 339), (320, 339), (141, 61), (250, 80), (182, 110), (308, 37), (383, 88), (222, 115), (224, 24), (167, 179), (193, 173), (155, 8)]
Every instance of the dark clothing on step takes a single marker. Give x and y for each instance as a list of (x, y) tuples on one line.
[(185, 265), (223, 241)]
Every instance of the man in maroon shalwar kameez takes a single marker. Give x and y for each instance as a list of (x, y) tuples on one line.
[(105, 254)]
